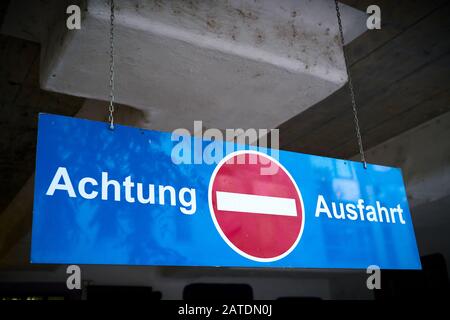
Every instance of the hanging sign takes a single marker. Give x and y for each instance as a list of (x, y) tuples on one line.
[(128, 196)]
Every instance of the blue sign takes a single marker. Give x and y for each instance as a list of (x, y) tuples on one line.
[(140, 197)]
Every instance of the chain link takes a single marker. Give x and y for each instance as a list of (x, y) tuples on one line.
[(111, 67), (352, 93)]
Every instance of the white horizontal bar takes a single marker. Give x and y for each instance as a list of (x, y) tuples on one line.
[(241, 202)]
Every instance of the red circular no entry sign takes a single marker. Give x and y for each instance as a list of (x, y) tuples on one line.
[(259, 215)]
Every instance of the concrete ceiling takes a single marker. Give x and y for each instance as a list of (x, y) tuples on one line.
[(401, 75), (231, 64)]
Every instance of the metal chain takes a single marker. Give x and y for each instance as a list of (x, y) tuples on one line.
[(111, 67), (352, 93)]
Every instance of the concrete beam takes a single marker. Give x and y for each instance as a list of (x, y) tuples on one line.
[(232, 64)]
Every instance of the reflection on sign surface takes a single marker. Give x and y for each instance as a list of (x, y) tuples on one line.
[(116, 197)]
